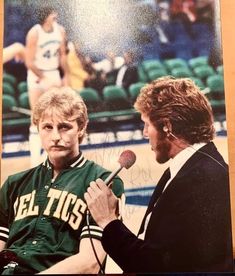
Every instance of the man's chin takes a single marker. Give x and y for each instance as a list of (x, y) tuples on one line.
[(161, 158), (161, 161), (57, 155)]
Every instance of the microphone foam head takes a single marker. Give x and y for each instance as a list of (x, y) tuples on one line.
[(127, 159)]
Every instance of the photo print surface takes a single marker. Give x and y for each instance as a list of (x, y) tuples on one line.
[(112, 50)]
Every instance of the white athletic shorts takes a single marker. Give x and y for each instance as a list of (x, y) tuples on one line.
[(51, 79)]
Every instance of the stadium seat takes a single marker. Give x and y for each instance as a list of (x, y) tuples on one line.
[(22, 87), (134, 90), (8, 102), (152, 64), (157, 73), (220, 69), (215, 83), (8, 78), (142, 74), (198, 82), (198, 61), (91, 99), (24, 100), (218, 108), (115, 98), (8, 89), (174, 63), (181, 72), (203, 71)]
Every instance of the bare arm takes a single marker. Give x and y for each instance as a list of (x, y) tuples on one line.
[(30, 52), (63, 58), (186, 9), (2, 245), (83, 262), (14, 51)]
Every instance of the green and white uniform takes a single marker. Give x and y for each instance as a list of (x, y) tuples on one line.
[(47, 58), (43, 221)]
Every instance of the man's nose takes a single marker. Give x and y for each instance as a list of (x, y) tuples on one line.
[(145, 133), (55, 135)]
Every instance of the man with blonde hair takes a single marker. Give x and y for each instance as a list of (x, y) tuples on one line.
[(42, 210)]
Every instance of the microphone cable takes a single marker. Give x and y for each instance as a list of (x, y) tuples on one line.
[(92, 244), (126, 160), (199, 151)]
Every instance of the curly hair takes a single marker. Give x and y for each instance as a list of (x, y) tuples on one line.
[(65, 103), (43, 12), (180, 102)]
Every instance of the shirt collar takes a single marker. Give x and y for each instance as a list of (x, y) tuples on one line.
[(182, 157), (79, 162)]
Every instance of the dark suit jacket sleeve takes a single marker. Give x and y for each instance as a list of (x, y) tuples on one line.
[(190, 227), (128, 251), (130, 76)]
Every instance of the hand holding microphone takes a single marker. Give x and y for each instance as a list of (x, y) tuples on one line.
[(101, 201), (126, 160)]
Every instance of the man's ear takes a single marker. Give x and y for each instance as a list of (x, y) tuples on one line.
[(167, 126), (81, 132)]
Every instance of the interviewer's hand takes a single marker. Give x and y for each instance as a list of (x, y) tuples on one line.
[(102, 203)]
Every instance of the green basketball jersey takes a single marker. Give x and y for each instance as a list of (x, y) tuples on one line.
[(42, 220)]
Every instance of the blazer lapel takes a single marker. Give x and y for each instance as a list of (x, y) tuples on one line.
[(156, 194)]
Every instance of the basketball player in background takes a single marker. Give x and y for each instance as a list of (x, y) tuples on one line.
[(45, 53)]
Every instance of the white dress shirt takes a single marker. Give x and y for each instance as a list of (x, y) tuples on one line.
[(106, 65), (176, 164), (181, 158), (120, 75)]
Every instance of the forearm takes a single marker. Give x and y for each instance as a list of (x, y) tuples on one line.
[(16, 50), (2, 245), (82, 262), (31, 66), (74, 265), (129, 252), (191, 16)]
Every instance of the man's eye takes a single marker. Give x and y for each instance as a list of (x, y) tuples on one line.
[(47, 127), (64, 127)]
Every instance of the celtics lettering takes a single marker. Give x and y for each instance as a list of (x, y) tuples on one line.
[(69, 207)]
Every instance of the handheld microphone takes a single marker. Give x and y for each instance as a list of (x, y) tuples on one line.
[(126, 160)]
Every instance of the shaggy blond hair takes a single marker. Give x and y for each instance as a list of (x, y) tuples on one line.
[(65, 103)]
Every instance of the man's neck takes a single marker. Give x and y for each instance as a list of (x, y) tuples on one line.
[(62, 164), (177, 145), (48, 28)]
